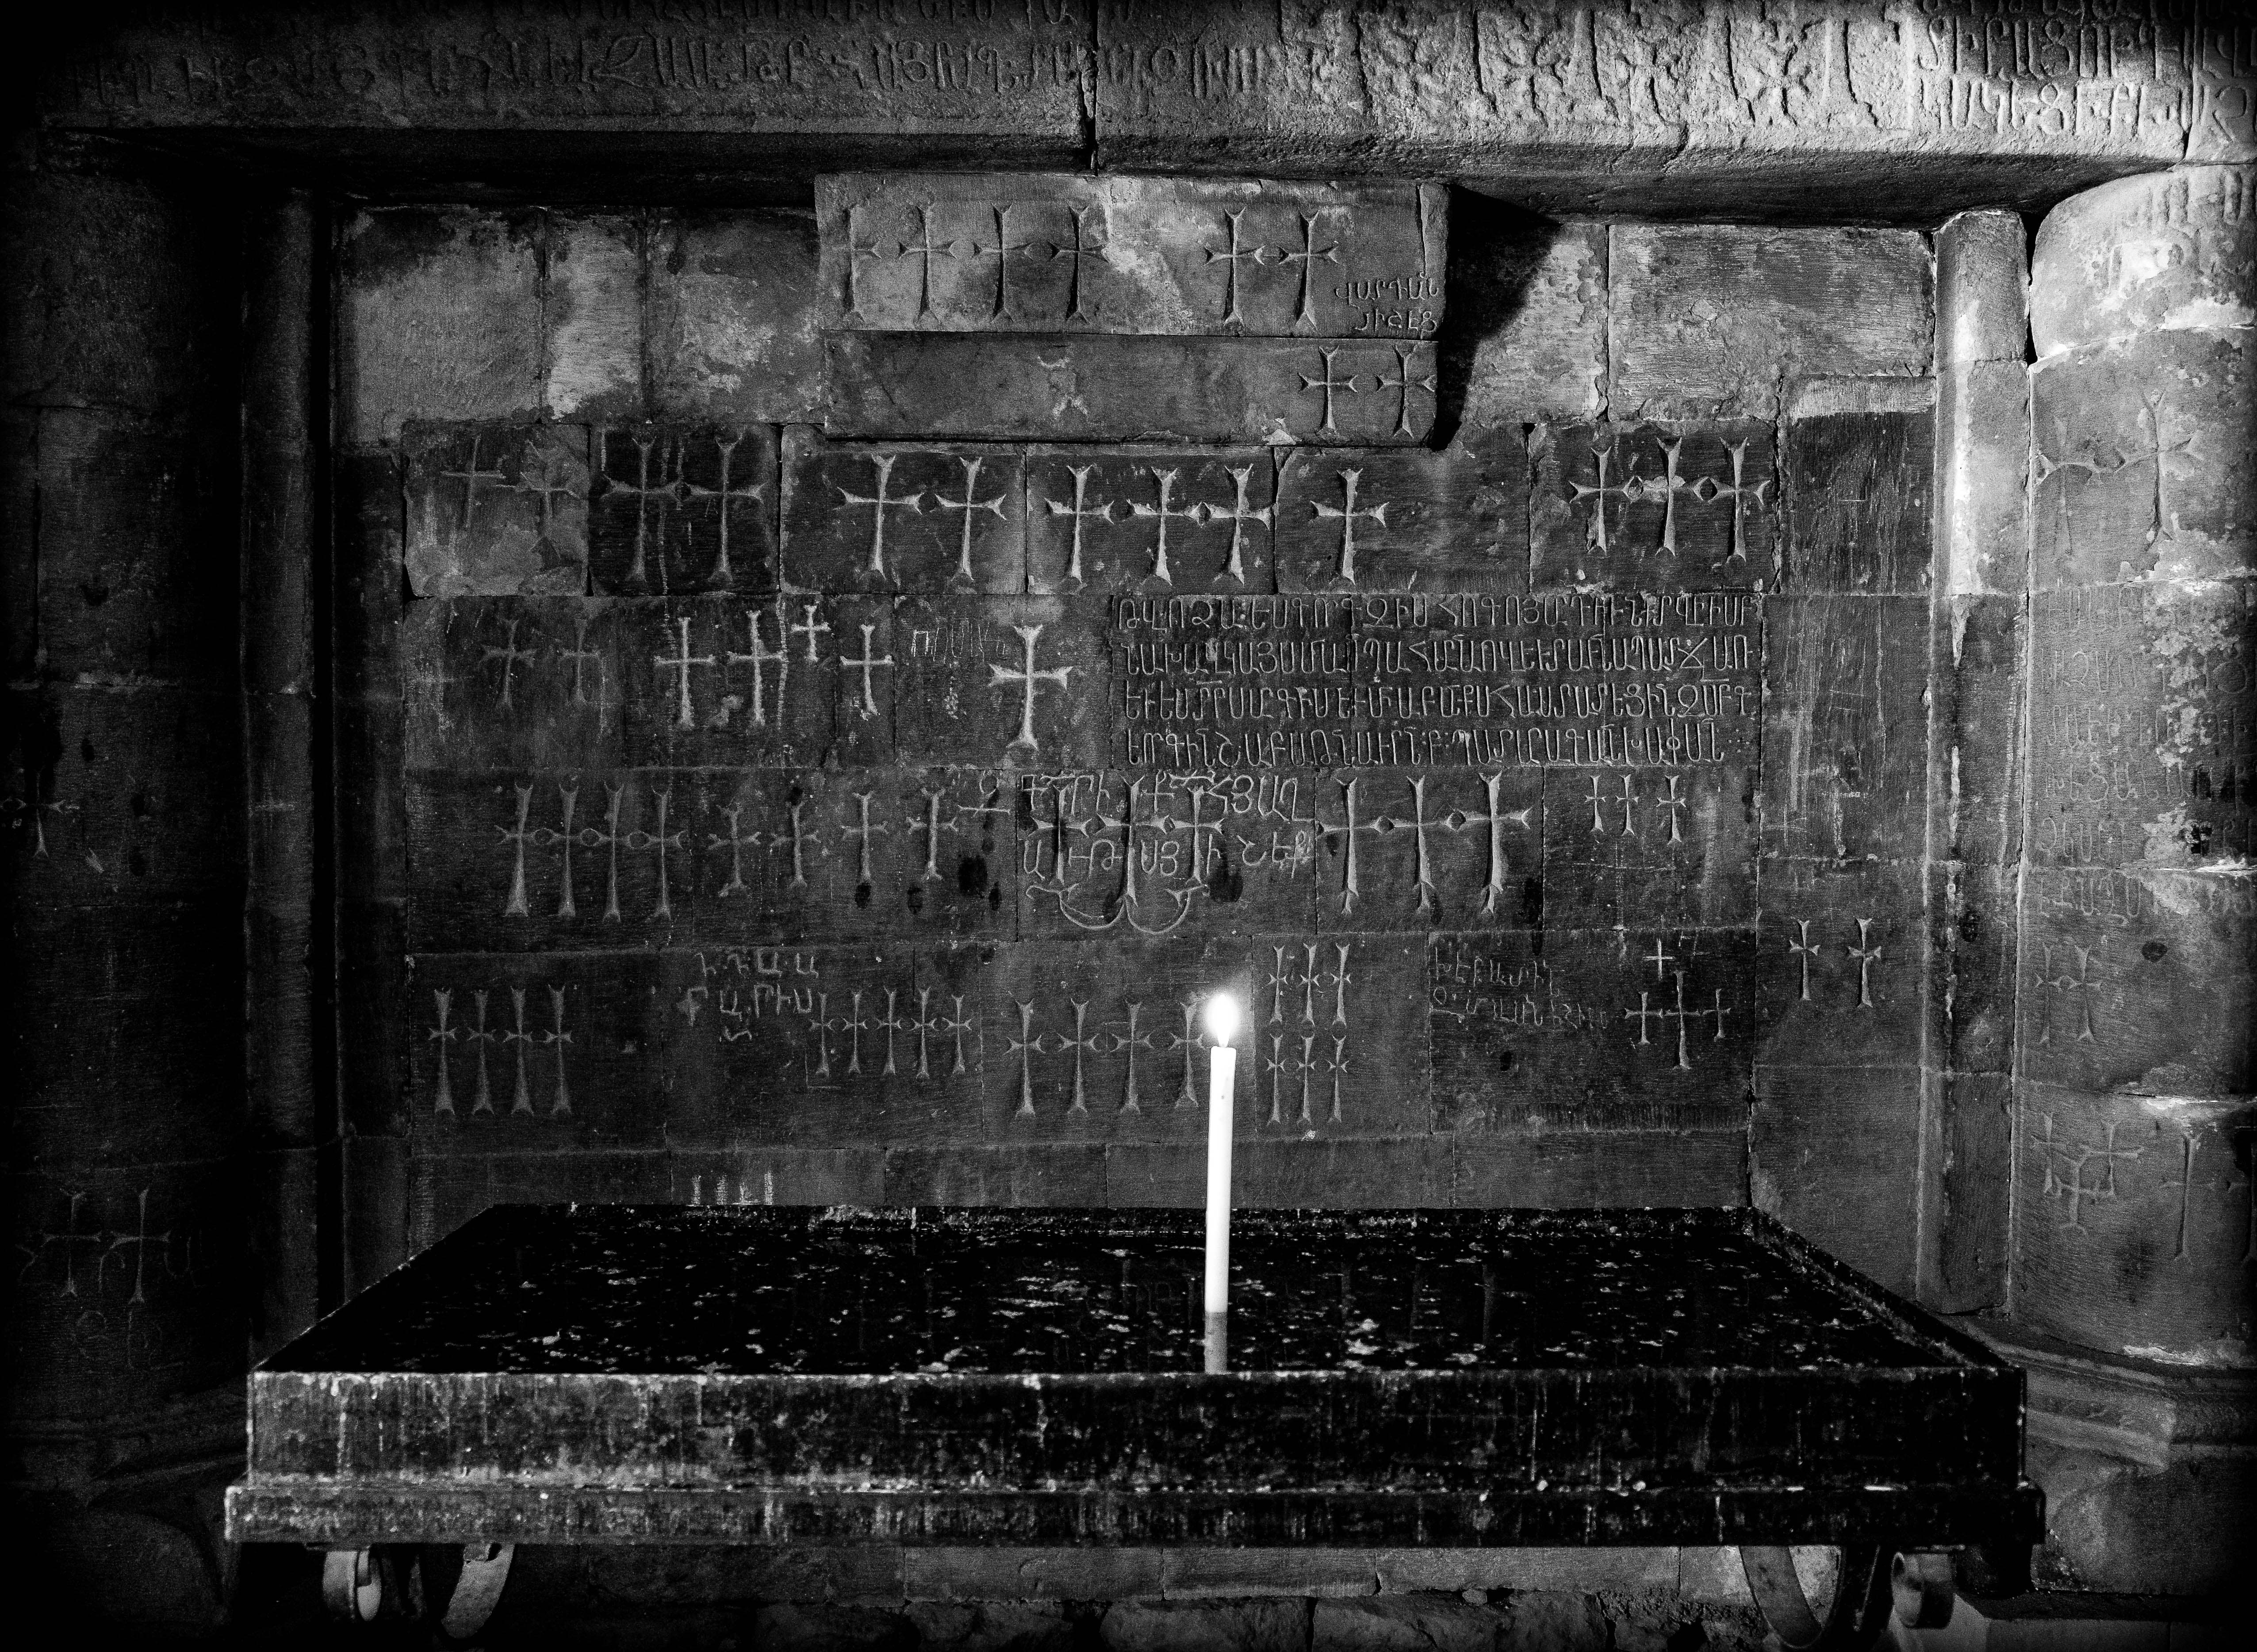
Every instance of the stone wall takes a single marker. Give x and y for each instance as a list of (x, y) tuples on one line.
[(922, 928)]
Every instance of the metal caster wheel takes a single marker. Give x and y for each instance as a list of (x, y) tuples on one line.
[(452, 1589), (1850, 1616), (1921, 1589)]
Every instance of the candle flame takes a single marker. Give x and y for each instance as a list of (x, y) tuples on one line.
[(1222, 1018)]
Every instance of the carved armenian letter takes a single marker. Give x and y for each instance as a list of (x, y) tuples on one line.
[(906, 386), (1000, 252)]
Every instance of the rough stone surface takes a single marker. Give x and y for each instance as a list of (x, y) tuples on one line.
[(1412, 1623), (1708, 323), (591, 345), (441, 320), (734, 325), (1114, 254), (1528, 340), (2165, 252), (1982, 289), (1111, 388), (1251, 1625)]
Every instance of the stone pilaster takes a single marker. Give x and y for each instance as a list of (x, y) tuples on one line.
[(2136, 1038)]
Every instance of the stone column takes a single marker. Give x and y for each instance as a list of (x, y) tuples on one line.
[(2133, 1235)]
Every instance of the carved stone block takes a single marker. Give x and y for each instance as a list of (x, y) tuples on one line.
[(1455, 520), (1709, 321), (2134, 1228), (440, 318), (1982, 289), (1106, 253), (1842, 965), (1655, 508), (1334, 1042), (1451, 848), (919, 386), (1845, 734), (1150, 520), (677, 509), (2172, 250), (1860, 497), (1568, 1029), (823, 1045), (497, 510), (1414, 680), (1124, 854), (517, 1054), (2138, 980), (2135, 454), (1973, 975), (559, 683), (896, 518), (735, 325), (2143, 726), (685, 858), (1024, 683), (1668, 845), (591, 319)]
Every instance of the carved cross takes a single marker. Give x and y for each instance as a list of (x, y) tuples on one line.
[(967, 504), (723, 575), (638, 576), (931, 825), (1079, 250), (480, 1038), (579, 654), (521, 1097), (1327, 383), (736, 842), (1660, 957), (1496, 818), (809, 627), (608, 839), (957, 1028), (1347, 514), (509, 653), (2082, 984), (870, 662), (681, 662), (442, 1036), (556, 1039), (1002, 249), (470, 478), (1229, 261), (880, 503), (1132, 1042), (661, 841), (862, 832), (1029, 679), (517, 837), (1310, 255), (1161, 513), (1803, 951), (1422, 872), (1188, 1040), (1238, 516), (1740, 492), (893, 1023), (1403, 385), (1080, 514), (1023, 1047), (761, 656), (1867, 954), (138, 1241), (1675, 804), (1630, 489), (1352, 886), (924, 248)]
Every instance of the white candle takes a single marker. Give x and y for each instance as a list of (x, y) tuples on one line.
[(1222, 1027)]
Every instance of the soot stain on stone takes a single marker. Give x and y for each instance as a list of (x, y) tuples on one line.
[(1226, 882), (862, 893), (972, 874), (916, 897), (2154, 951), (1970, 926)]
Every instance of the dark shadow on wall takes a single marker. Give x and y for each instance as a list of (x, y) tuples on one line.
[(1496, 250)]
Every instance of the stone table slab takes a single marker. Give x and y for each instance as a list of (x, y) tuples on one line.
[(617, 1373)]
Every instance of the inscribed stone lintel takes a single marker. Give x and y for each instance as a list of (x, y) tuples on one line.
[(1111, 388), (1000, 252)]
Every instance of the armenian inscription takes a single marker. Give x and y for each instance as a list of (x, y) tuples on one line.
[(1603, 679)]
